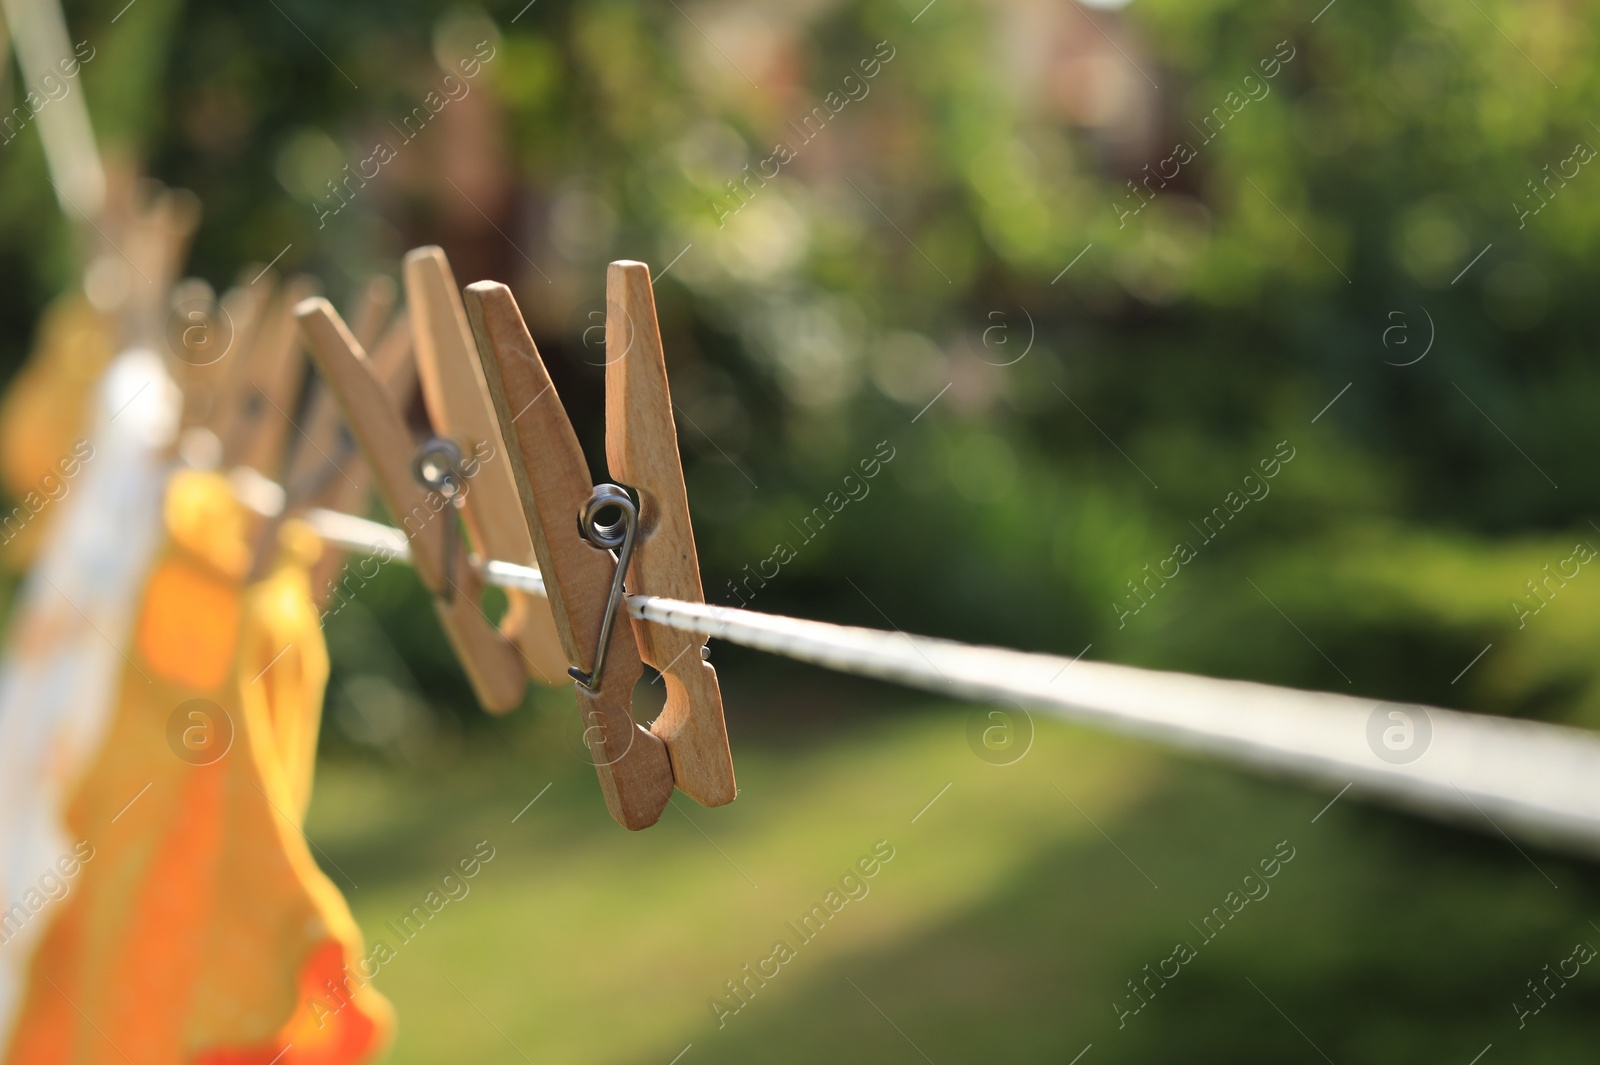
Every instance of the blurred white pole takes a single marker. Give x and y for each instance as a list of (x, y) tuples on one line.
[(39, 31)]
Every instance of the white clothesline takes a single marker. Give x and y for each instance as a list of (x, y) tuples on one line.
[(1536, 780)]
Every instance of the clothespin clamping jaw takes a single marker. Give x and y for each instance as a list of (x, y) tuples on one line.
[(422, 489), (577, 525)]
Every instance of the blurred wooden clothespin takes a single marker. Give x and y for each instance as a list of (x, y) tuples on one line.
[(137, 254), (206, 339), (577, 525), (374, 310), (327, 469), (421, 488), (255, 413), (242, 366), (460, 408)]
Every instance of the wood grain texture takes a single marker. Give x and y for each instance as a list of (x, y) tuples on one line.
[(460, 407), (491, 663), (642, 451), (553, 484)]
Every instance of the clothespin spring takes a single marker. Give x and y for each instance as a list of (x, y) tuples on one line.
[(615, 536), (437, 467)]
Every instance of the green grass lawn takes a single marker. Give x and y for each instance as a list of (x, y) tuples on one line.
[(1012, 916)]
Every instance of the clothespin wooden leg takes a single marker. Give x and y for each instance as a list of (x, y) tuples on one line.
[(427, 517), (642, 451), (555, 487)]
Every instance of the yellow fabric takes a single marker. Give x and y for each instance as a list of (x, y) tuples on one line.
[(202, 930), (45, 409)]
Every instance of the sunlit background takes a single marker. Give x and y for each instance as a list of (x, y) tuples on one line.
[(1086, 273)]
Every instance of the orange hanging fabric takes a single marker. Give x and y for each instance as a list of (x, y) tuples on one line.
[(202, 929), (45, 412), (62, 664)]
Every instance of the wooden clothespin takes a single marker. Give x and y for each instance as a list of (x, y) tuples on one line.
[(642, 451), (460, 408), (255, 412), (194, 345), (325, 466), (327, 469), (207, 341), (427, 515), (582, 578), (138, 253), (335, 475)]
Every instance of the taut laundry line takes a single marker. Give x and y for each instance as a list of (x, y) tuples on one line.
[(1536, 780)]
